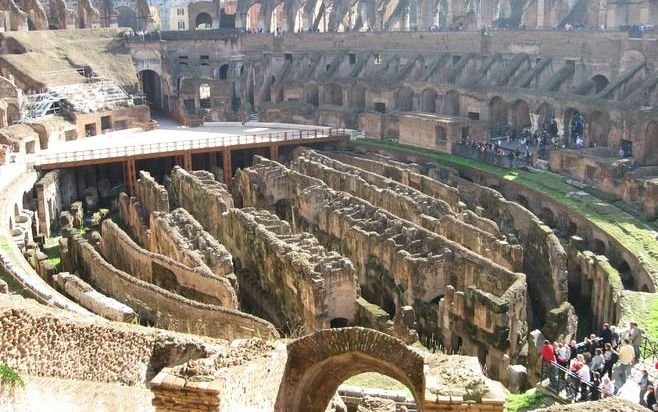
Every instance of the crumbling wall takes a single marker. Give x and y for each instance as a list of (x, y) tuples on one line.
[(394, 259), (60, 16), (56, 190), (196, 283), (151, 194), (290, 277), (134, 219), (179, 236), (14, 18), (83, 294), (407, 203), (43, 341), (155, 305), (36, 15)]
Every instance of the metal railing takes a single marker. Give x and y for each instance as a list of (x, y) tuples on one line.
[(41, 159), (567, 384)]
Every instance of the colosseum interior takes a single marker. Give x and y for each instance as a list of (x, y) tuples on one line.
[(323, 205)]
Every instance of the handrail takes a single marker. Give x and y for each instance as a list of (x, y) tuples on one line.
[(562, 381), (182, 145)]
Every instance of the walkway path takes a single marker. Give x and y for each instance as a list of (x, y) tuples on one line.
[(65, 395)]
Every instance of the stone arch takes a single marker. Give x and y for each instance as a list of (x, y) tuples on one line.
[(204, 95), (598, 247), (520, 115), (127, 17), (626, 275), (319, 362), (333, 94), (546, 114), (650, 144), (631, 58), (574, 123), (312, 95), (497, 112), (222, 72), (600, 83), (13, 114), (598, 128), (253, 17), (358, 97), (278, 18), (203, 21), (428, 99), (404, 99), (451, 104), (548, 217), (151, 85)]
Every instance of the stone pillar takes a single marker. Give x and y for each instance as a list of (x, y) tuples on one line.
[(274, 152)]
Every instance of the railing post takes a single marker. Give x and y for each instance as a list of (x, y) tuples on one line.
[(300, 135)]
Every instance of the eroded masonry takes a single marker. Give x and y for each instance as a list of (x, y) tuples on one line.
[(249, 216)]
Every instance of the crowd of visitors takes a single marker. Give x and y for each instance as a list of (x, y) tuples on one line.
[(599, 365)]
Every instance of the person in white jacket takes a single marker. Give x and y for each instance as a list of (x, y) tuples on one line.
[(585, 379), (606, 387)]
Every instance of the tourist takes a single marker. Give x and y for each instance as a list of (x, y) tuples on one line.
[(621, 153), (616, 336), (606, 334), (650, 399), (598, 361), (548, 357), (563, 355), (606, 387), (634, 335), (610, 357), (584, 376), (644, 384), (596, 384), (626, 358)]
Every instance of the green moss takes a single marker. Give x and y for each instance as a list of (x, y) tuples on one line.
[(642, 307), (524, 401), (51, 249)]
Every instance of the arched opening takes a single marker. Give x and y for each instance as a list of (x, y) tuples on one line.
[(151, 85), (650, 144), (600, 83), (203, 21), (312, 95), (300, 25), (204, 95), (520, 115), (497, 114), (405, 97), (13, 114), (598, 129), (546, 119), (575, 125), (520, 199), (278, 20), (311, 378), (428, 100), (223, 72), (598, 247), (412, 19), (333, 94), (451, 103), (358, 97), (254, 22), (338, 323), (572, 230), (626, 276), (127, 17)]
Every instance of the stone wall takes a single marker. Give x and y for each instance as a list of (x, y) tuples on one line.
[(82, 293), (56, 190), (195, 283), (288, 277), (398, 263), (134, 219), (152, 195), (155, 305), (430, 212), (179, 236), (43, 341)]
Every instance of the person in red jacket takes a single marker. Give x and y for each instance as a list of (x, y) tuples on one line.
[(548, 356)]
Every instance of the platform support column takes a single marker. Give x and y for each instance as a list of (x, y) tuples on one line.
[(226, 160), (130, 176)]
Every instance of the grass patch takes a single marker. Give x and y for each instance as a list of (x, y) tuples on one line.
[(641, 307), (15, 288), (51, 249), (10, 378), (375, 380), (524, 401)]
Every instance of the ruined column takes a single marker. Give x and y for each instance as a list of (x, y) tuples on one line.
[(227, 165)]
